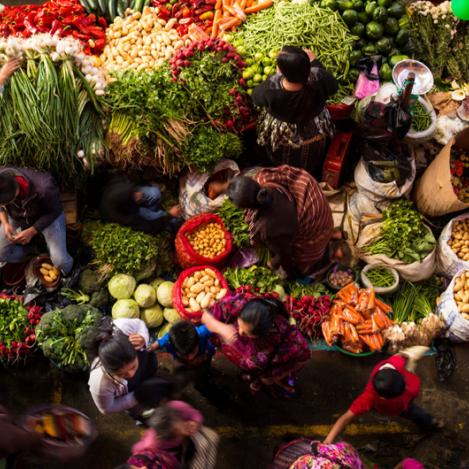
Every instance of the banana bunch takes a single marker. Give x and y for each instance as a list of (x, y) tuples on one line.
[(110, 9)]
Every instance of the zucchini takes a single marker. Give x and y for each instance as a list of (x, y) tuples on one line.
[(94, 6), (121, 6), (103, 7), (112, 9), (139, 5)]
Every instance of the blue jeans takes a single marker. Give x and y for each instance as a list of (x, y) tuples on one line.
[(56, 239), (149, 206)]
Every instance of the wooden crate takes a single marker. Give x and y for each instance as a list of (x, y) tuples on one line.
[(70, 205)]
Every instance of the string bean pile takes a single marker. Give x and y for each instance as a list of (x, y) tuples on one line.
[(380, 277), (303, 25), (421, 119)]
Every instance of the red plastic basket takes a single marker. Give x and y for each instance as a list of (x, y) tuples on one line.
[(177, 291), (186, 255)]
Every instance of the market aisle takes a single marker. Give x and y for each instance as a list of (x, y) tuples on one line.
[(251, 428)]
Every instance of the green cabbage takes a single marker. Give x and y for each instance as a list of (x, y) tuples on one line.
[(153, 316), (171, 315), (157, 282), (121, 286), (165, 294), (125, 309), (145, 295)]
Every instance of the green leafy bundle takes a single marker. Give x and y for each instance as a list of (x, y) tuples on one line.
[(119, 249), (316, 289), (260, 279), (235, 223), (403, 234), (49, 116), (62, 335)]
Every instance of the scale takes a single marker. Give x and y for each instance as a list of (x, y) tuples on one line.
[(423, 77)]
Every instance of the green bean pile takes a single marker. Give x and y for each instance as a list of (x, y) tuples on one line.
[(380, 277), (421, 119), (316, 28)]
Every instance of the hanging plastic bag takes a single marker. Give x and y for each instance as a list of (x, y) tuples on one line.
[(368, 80)]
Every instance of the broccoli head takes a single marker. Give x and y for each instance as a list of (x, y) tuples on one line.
[(89, 282), (100, 298)]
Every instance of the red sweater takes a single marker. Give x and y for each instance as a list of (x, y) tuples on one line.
[(370, 399)]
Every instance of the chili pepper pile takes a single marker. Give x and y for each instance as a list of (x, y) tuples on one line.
[(187, 12), (309, 313), (459, 167), (61, 17), (17, 328)]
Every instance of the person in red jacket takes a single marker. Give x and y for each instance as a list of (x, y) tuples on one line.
[(391, 391)]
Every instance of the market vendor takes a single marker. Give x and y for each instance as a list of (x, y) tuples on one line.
[(7, 70), (137, 206), (256, 335), (30, 205), (122, 376), (287, 212), (294, 125)]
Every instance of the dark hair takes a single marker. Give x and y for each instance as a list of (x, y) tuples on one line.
[(163, 420), (388, 383), (244, 192), (111, 346), (184, 337), (294, 64), (8, 188), (260, 314)]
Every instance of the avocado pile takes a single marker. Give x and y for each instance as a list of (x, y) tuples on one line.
[(382, 27)]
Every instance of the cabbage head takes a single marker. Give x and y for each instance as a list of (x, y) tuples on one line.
[(165, 294), (153, 316), (157, 282), (121, 286), (145, 295), (171, 315), (125, 309)]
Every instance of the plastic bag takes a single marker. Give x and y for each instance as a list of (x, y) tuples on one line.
[(368, 80), (448, 262), (457, 326), (413, 272)]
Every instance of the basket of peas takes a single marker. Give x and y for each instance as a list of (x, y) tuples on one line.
[(382, 278)]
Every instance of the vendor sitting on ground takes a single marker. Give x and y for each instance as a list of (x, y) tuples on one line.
[(391, 390), (288, 213), (257, 336), (30, 205), (138, 207)]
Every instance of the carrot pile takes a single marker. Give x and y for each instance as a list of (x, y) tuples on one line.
[(357, 319), (231, 13)]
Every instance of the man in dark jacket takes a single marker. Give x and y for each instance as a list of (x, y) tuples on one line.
[(30, 204)]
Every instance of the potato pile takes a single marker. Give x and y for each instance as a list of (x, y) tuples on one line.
[(459, 241), (208, 240), (200, 290), (140, 41), (461, 294), (49, 273)]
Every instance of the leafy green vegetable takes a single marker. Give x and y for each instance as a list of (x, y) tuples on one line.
[(316, 289), (76, 296), (62, 335), (235, 223), (118, 249), (403, 234), (259, 278)]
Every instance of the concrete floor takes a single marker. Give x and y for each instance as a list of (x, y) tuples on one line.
[(251, 427)]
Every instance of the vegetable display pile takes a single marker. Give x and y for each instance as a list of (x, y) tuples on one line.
[(461, 294), (441, 41), (459, 168), (357, 319), (62, 334), (380, 277), (403, 234), (235, 223), (200, 290), (17, 328), (49, 113), (208, 240), (260, 279), (298, 290), (298, 25), (48, 272), (140, 41), (110, 9), (120, 249), (381, 27), (340, 277), (459, 241), (56, 17), (421, 119), (309, 313)]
